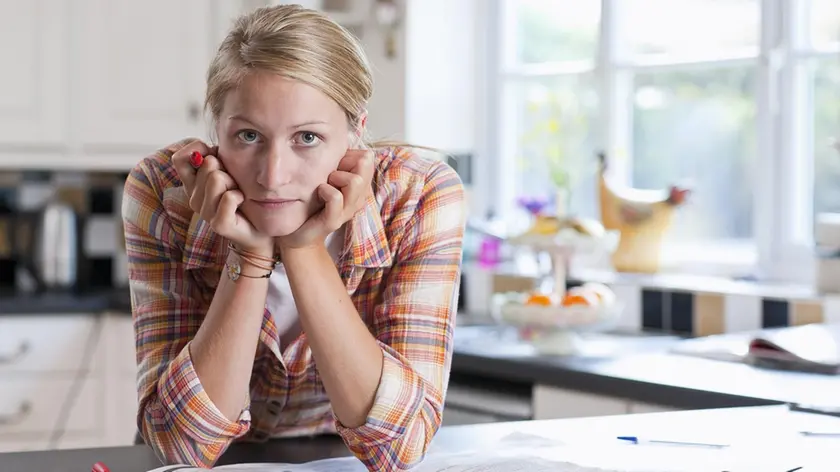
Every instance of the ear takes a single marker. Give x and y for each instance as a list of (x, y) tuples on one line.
[(360, 128)]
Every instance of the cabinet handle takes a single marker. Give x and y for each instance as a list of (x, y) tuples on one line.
[(194, 111), (21, 351), (18, 416)]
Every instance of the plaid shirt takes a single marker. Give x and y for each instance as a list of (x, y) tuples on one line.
[(401, 266)]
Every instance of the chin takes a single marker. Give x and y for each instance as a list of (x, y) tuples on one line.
[(276, 223), (276, 229)]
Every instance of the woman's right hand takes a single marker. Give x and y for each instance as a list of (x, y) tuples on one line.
[(214, 195)]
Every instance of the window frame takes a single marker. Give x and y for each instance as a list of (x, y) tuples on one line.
[(781, 249)]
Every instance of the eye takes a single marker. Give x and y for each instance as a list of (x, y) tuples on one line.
[(308, 138), (248, 136)]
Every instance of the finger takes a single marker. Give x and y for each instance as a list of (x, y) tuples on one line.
[(351, 159), (354, 188), (181, 162), (227, 215), (210, 165), (333, 206), (218, 182), (345, 181), (365, 167)]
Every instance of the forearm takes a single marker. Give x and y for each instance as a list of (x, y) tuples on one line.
[(348, 358), (223, 348)]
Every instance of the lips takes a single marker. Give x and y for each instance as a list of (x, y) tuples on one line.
[(275, 202)]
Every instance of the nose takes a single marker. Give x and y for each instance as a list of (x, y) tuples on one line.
[(276, 167)]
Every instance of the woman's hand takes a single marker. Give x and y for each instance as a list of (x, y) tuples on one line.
[(216, 198), (343, 195)]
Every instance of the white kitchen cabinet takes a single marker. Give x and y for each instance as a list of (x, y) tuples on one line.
[(34, 84), (44, 343), (636, 407), (554, 403), (141, 71), (73, 385)]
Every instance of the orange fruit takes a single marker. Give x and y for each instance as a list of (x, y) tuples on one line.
[(580, 296), (539, 299)]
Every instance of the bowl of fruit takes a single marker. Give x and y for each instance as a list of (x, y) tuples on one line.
[(552, 321)]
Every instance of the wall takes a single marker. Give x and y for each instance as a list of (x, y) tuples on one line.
[(441, 73)]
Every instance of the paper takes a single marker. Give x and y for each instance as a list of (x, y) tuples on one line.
[(520, 452)]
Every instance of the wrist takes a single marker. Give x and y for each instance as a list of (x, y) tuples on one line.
[(265, 251), (284, 249), (238, 266), (252, 263)]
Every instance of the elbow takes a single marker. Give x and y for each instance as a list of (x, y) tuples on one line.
[(406, 449), (171, 440)]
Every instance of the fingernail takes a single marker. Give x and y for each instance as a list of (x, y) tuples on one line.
[(100, 467), (196, 159)]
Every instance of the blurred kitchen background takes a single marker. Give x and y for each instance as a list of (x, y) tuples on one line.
[(713, 220)]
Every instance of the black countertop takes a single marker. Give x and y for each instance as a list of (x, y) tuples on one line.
[(56, 302), (744, 427), (645, 372)]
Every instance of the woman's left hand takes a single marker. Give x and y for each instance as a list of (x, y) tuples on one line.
[(343, 195)]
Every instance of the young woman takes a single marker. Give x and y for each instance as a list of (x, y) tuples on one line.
[(289, 279)]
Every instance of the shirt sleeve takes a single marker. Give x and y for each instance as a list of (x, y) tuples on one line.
[(414, 325), (175, 416)]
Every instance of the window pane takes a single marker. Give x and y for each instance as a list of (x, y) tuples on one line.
[(825, 22), (826, 116), (552, 30), (690, 27), (553, 132), (698, 126)]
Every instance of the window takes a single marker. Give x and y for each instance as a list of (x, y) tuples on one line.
[(739, 99)]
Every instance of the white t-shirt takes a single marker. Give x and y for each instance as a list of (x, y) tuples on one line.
[(280, 301)]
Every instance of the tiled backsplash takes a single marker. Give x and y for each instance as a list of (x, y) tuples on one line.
[(96, 198)]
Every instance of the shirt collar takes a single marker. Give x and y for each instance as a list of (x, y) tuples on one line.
[(365, 241)]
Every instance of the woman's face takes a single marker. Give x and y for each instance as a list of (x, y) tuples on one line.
[(279, 140)]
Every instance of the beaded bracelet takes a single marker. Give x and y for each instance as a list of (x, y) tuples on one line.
[(234, 268), (242, 252)]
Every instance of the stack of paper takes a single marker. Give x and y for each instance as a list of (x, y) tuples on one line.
[(526, 453)]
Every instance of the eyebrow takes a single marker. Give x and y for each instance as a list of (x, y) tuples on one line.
[(299, 125)]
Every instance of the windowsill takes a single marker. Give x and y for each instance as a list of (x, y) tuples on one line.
[(699, 283), (727, 260), (721, 268)]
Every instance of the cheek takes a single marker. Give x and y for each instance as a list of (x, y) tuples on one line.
[(238, 166)]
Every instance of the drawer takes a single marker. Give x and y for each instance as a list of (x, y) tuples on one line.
[(107, 407), (557, 403), (115, 353), (44, 343), (35, 443), (34, 404)]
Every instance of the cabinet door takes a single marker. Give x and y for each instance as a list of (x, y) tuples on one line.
[(142, 71), (558, 403), (33, 94)]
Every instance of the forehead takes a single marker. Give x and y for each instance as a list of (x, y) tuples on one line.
[(270, 97)]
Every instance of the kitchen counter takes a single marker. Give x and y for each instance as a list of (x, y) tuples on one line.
[(53, 303), (744, 427), (640, 369)]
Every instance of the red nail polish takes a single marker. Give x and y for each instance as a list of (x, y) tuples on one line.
[(100, 467), (196, 159)]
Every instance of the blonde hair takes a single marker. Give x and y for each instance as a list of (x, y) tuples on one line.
[(297, 43), (300, 44)]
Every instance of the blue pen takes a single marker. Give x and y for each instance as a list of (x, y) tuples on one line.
[(639, 440)]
